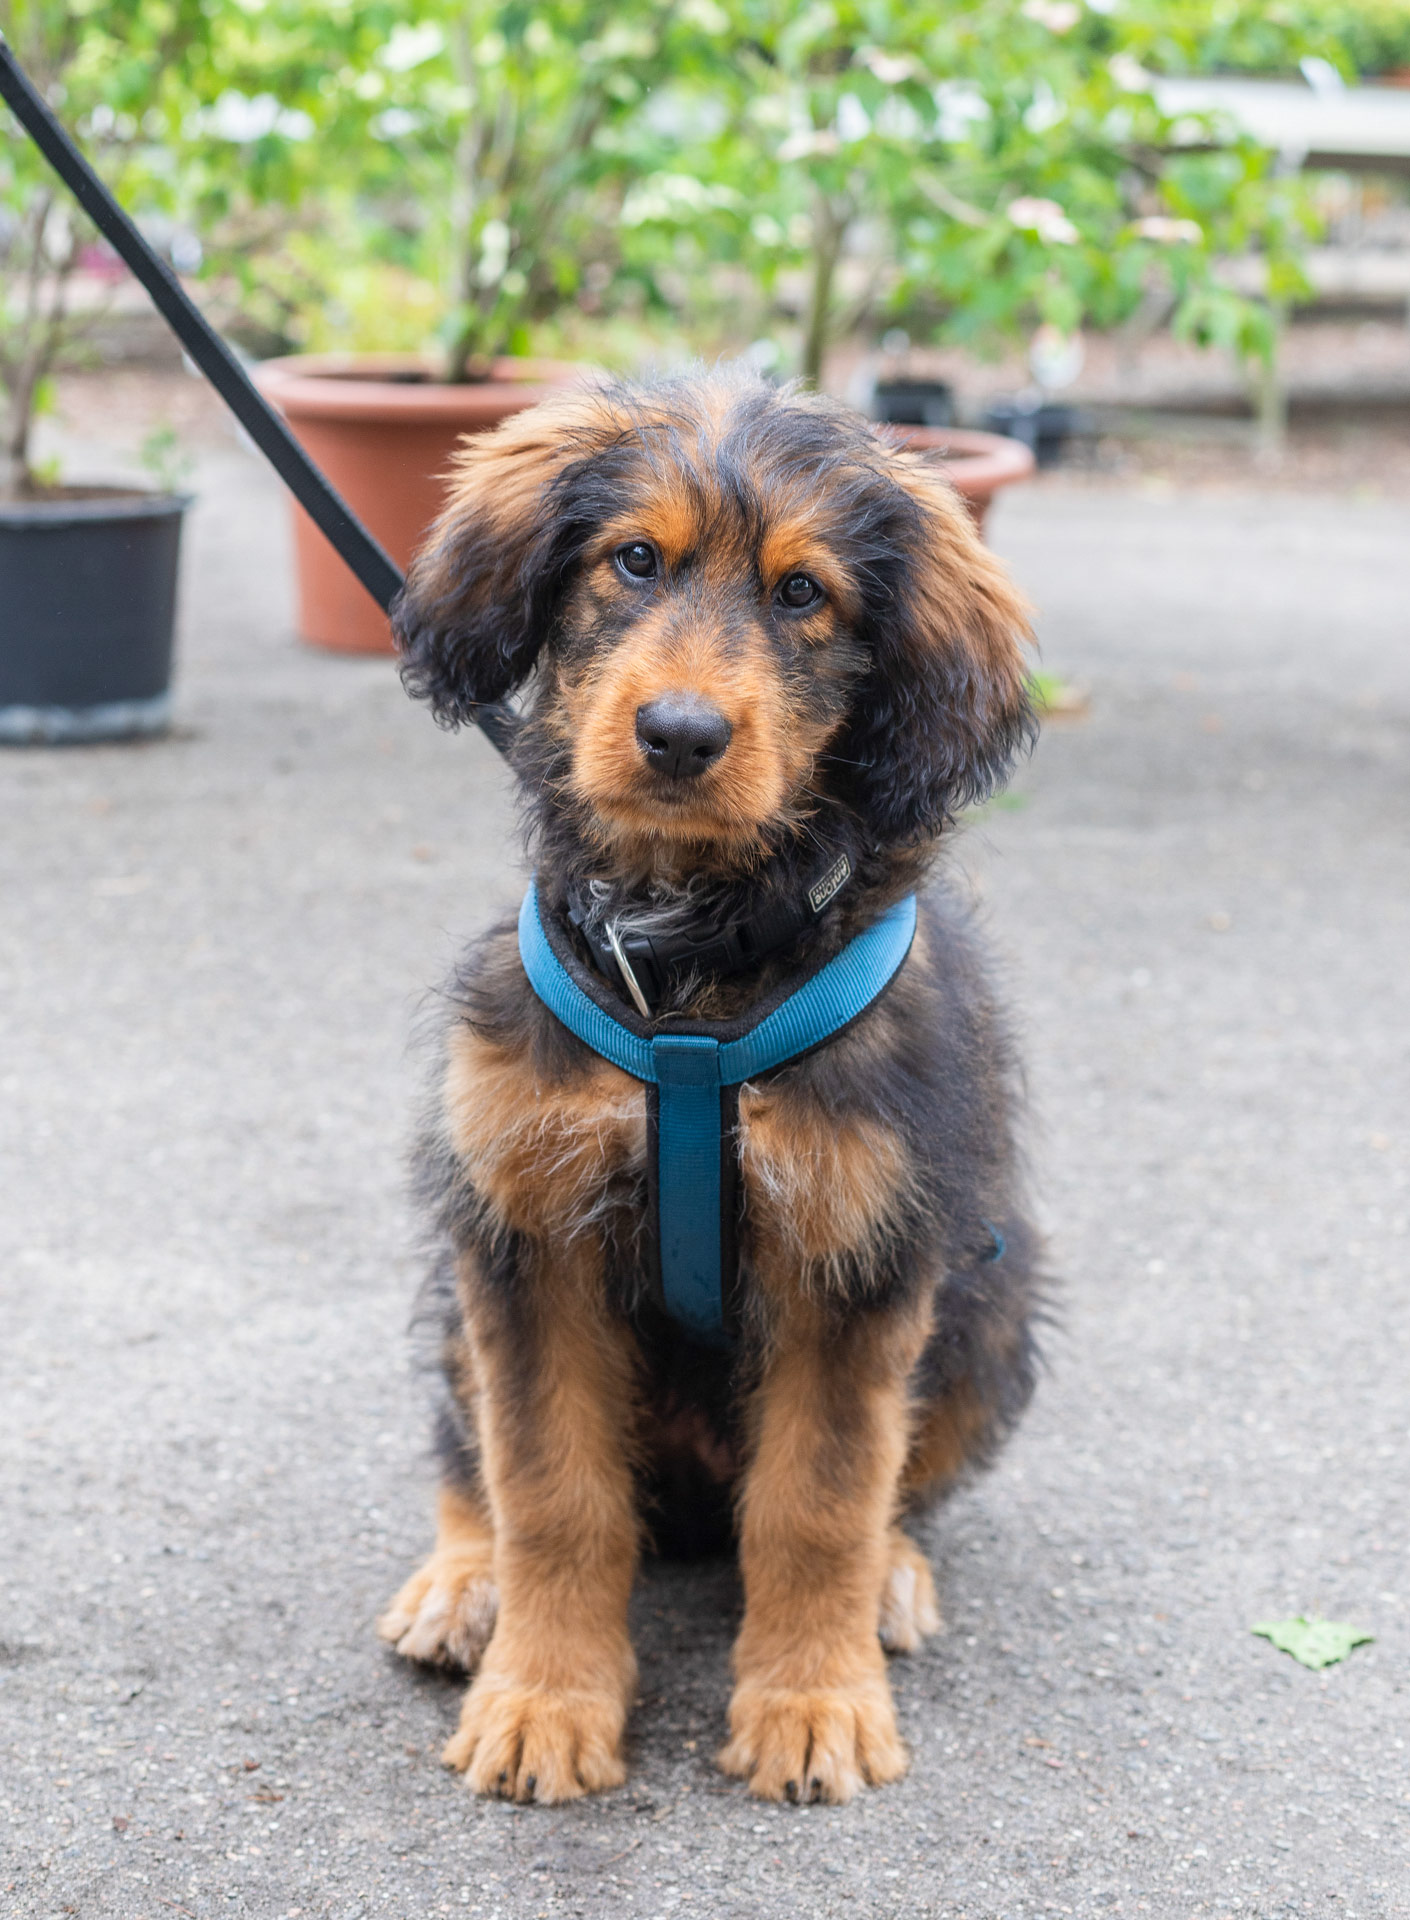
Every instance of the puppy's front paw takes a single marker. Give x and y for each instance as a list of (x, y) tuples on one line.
[(538, 1743), (908, 1609), (445, 1613), (820, 1744)]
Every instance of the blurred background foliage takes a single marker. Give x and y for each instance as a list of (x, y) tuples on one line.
[(582, 177), (123, 73), (1360, 37)]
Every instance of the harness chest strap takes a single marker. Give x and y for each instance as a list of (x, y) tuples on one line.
[(690, 1071)]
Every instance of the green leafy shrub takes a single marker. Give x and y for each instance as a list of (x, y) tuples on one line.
[(463, 171), (1360, 37), (991, 170), (382, 172), (113, 71)]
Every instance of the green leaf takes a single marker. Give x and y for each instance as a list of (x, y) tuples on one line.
[(1314, 1642)]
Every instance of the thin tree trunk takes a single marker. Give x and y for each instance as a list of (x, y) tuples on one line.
[(46, 329), (24, 368), (468, 151), (829, 225), (1272, 400), (19, 419)]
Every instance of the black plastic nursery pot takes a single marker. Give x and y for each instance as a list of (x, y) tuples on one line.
[(87, 611), (1046, 428), (914, 403)]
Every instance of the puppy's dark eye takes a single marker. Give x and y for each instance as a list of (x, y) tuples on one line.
[(799, 590), (638, 559)]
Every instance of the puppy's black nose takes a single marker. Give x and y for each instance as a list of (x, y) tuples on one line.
[(681, 734)]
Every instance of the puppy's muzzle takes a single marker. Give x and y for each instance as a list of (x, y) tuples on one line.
[(681, 735)]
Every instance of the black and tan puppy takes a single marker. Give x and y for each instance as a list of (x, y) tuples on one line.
[(840, 662)]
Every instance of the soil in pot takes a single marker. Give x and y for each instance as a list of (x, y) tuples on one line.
[(383, 429), (87, 613)]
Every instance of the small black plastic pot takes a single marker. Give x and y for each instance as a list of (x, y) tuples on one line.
[(87, 609), (914, 403), (1046, 428)]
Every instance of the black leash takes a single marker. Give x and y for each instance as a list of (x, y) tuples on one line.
[(332, 515)]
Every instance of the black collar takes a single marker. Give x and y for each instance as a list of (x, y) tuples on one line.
[(646, 964)]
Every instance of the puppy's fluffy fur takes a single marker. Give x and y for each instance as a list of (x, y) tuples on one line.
[(882, 1347)]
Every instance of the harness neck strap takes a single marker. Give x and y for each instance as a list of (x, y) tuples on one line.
[(646, 964), (690, 1066)]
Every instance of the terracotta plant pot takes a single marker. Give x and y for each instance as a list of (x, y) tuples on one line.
[(383, 429), (978, 463)]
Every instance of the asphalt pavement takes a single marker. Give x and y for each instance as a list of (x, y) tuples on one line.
[(215, 953)]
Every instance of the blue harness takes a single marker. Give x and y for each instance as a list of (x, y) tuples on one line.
[(694, 1072)]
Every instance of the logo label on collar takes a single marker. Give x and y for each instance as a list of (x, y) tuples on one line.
[(831, 884)]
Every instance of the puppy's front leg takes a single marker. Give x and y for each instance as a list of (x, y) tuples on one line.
[(545, 1715), (811, 1717)]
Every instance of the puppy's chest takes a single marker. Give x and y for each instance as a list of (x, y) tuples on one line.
[(552, 1155)]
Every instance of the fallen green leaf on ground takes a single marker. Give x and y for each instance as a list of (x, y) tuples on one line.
[(1316, 1643), (1050, 695)]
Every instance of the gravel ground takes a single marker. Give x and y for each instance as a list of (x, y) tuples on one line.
[(214, 952)]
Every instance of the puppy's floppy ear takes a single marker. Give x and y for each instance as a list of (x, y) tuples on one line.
[(480, 594), (944, 708)]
